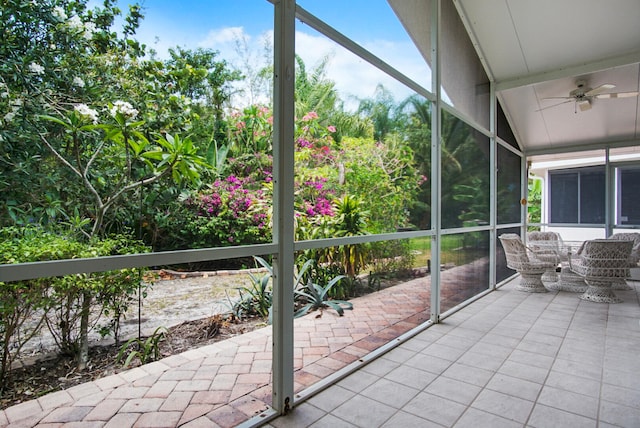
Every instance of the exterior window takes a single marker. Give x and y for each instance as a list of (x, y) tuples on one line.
[(628, 191), (577, 196)]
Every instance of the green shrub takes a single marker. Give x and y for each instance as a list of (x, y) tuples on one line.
[(23, 304), (70, 305), (146, 350), (391, 258)]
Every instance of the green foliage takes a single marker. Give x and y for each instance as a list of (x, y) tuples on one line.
[(312, 296), (146, 351), (123, 151), (384, 175), (534, 200), (251, 131), (476, 202), (314, 91), (175, 114), (392, 258), (21, 301), (117, 290), (69, 305), (39, 40), (350, 220), (74, 297), (256, 299), (322, 273)]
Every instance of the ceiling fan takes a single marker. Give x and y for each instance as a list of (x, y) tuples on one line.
[(582, 96)]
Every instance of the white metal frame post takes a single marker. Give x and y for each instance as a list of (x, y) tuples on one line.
[(283, 212), (609, 195), (436, 187), (524, 194), (493, 199)]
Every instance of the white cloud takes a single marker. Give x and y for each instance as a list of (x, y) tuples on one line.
[(354, 77), (222, 36)]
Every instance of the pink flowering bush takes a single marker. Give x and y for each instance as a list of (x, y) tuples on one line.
[(236, 208), (314, 199), (230, 213)]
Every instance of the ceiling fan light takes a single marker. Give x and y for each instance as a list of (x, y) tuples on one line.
[(584, 105)]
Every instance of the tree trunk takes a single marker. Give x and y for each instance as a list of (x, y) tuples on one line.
[(83, 352)]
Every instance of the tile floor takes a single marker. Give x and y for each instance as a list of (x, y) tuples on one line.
[(510, 359)]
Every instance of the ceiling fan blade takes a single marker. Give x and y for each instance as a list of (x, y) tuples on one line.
[(618, 95), (558, 98), (599, 89), (555, 105)]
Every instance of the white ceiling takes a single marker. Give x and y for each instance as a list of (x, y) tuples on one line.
[(534, 49), (538, 49)]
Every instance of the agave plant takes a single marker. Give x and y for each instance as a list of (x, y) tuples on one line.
[(316, 296), (257, 298)]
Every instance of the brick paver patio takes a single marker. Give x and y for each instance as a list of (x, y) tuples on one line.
[(227, 383)]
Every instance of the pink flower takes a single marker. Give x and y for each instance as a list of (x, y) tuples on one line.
[(304, 143), (310, 116), (263, 111), (331, 128)]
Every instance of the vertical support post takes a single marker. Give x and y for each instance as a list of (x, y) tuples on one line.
[(524, 177), (609, 207), (493, 183), (283, 213), (436, 161)]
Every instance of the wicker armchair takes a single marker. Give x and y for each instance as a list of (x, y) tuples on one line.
[(548, 246), (524, 260), (634, 258), (601, 262)]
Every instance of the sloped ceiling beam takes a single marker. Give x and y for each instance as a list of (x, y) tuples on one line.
[(570, 71)]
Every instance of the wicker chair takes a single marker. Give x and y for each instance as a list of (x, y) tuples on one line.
[(524, 260), (548, 246), (634, 258), (601, 262)]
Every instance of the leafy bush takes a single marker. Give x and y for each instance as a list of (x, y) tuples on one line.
[(146, 350), (391, 258), (24, 303), (235, 210), (70, 305)]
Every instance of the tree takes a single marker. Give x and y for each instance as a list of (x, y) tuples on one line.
[(382, 110), (88, 119), (121, 155), (207, 83)]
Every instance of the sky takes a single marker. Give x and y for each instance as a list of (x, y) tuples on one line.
[(220, 24)]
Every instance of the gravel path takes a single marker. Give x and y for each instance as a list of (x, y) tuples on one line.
[(168, 302)]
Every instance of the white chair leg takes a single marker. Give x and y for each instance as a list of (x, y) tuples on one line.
[(600, 291), (531, 283)]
